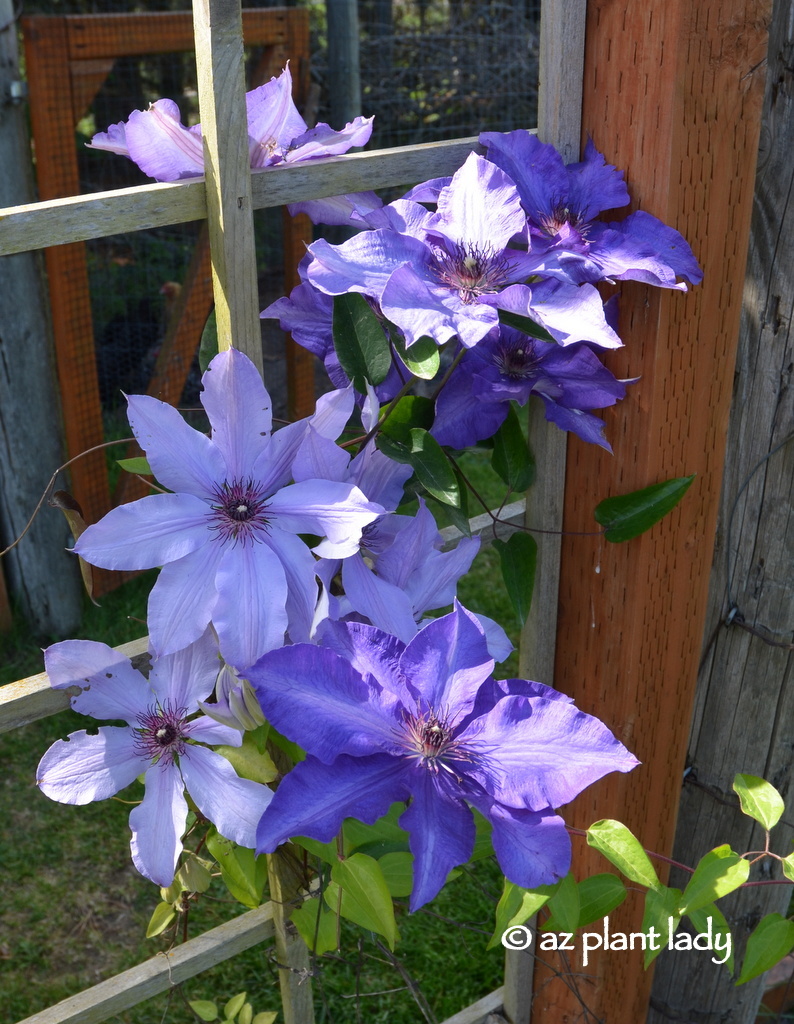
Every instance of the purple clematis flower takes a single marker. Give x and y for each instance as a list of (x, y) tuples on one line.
[(228, 537), (158, 142), (562, 201), (383, 721), (509, 366), (161, 740)]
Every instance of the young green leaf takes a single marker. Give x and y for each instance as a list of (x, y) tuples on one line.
[(433, 468), (772, 939), (759, 800), (511, 458), (711, 919), (360, 341), (235, 1004), (524, 324), (320, 937), (139, 465), (598, 896), (621, 848), (163, 915), (628, 515), (518, 556), (564, 907), (422, 359), (398, 870), (248, 762), (660, 915), (268, 1017), (243, 873), (246, 1014), (208, 346), (787, 863), (517, 905), (204, 1008), (411, 411), (366, 899), (718, 873)]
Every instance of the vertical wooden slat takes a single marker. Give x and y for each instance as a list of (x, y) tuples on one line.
[(672, 93), (221, 85)]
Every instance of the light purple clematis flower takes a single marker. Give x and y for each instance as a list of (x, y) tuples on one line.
[(227, 537), (161, 740), (383, 721), (158, 142)]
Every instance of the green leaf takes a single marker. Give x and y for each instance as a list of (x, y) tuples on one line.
[(564, 907), (194, 874), (366, 899), (483, 844), (268, 1017), (208, 347), (621, 848), (422, 359), (327, 852), (246, 1014), (661, 914), (385, 830), (718, 926), (524, 324), (398, 871), (243, 873), (518, 557), (203, 1008), (163, 915), (759, 799), (433, 468), (138, 465), (718, 873), (234, 1005), (515, 907), (598, 896), (511, 458), (360, 341), (772, 939), (629, 515), (787, 863), (320, 938), (411, 411), (248, 762)]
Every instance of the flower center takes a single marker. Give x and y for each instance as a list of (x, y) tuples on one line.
[(471, 271), (239, 512), (561, 216), (160, 733), (516, 360), (429, 740)]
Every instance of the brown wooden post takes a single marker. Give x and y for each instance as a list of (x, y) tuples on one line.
[(672, 93)]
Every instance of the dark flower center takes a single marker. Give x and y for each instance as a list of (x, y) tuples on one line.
[(561, 216), (429, 740), (471, 271), (160, 733), (516, 360), (239, 514)]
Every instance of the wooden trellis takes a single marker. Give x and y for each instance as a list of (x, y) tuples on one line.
[(673, 94)]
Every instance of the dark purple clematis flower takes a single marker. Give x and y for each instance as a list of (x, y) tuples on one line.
[(383, 721), (158, 142), (562, 201), (228, 538), (509, 366), (161, 740)]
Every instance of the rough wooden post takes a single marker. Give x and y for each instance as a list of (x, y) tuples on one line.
[(672, 93), (344, 73)]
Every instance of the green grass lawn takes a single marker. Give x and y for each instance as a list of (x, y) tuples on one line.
[(75, 910)]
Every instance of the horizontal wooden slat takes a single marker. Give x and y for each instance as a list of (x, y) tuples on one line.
[(30, 699), (162, 972), (479, 1012), (483, 526), (78, 218)]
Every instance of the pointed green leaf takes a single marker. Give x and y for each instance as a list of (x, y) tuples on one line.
[(208, 347), (787, 863), (194, 874), (246, 1014), (518, 556), (423, 358), (524, 324), (163, 915), (759, 799), (411, 411), (248, 762), (621, 848), (628, 515), (319, 937), (385, 830), (243, 873), (710, 919), (327, 852), (265, 1018), (138, 465), (598, 896), (398, 871), (433, 469), (718, 873), (660, 915), (511, 458), (772, 939), (204, 1008), (483, 844), (366, 899), (234, 1005), (515, 907), (564, 907), (360, 341)]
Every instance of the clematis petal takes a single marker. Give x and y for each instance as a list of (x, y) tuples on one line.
[(481, 206), (182, 459), (158, 824), (385, 605), (533, 848), (570, 313), (114, 140), (110, 686), (85, 768), (322, 140), (594, 185), (232, 804), (362, 264), (442, 834), (182, 600), (239, 410), (151, 531), (314, 798), (250, 614), (373, 653), (317, 699), (273, 120), (319, 458), (299, 567), (188, 675), (325, 508), (161, 145), (205, 730)]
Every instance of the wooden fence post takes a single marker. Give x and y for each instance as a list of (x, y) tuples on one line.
[(672, 93)]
